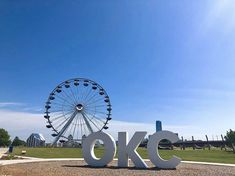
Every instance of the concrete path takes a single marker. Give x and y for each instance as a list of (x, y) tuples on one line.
[(32, 160)]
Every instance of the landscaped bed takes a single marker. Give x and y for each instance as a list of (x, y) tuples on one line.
[(75, 168)]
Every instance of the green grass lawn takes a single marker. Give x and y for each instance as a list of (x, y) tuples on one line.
[(214, 155)]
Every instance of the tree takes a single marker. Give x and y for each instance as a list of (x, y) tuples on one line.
[(18, 142), (4, 138), (230, 137)]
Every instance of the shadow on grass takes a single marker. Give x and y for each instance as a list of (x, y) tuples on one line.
[(115, 167)]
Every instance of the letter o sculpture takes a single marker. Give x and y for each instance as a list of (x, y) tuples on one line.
[(88, 149)]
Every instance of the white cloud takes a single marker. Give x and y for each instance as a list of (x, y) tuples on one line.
[(116, 126), (22, 124), (7, 104)]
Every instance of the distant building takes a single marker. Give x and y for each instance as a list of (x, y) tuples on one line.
[(36, 140), (158, 126), (71, 142)]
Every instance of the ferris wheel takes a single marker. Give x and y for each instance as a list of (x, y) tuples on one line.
[(77, 108)]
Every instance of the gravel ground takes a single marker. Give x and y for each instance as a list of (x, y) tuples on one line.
[(72, 168)]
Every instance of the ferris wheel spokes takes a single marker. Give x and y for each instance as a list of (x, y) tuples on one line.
[(76, 108)]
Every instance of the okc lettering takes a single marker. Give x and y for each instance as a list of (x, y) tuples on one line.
[(127, 150)]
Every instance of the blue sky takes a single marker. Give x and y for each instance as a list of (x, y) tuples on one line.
[(158, 60)]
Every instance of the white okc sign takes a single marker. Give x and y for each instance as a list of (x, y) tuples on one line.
[(127, 150)]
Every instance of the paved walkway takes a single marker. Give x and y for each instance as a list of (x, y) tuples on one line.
[(32, 160)]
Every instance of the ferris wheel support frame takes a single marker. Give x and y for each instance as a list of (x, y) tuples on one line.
[(87, 123), (64, 128)]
